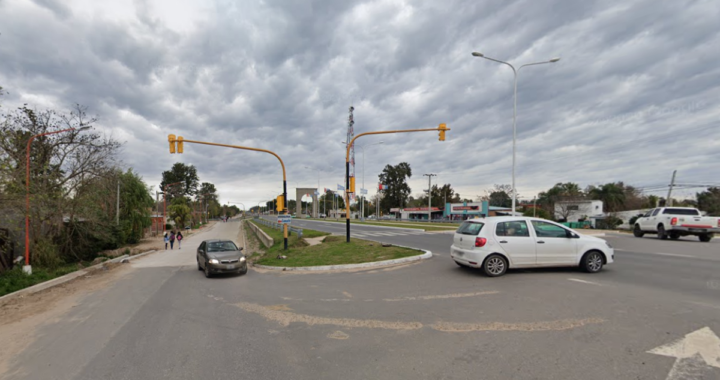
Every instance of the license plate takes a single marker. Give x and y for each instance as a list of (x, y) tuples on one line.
[(697, 230), (229, 266), (459, 253)]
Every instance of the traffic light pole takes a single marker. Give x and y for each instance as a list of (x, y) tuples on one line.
[(180, 140), (442, 128)]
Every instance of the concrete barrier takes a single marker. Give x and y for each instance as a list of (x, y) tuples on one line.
[(264, 238)]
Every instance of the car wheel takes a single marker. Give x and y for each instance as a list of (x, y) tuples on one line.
[(207, 271), (637, 232), (661, 234), (674, 236), (705, 238), (495, 265), (592, 262), (198, 263)]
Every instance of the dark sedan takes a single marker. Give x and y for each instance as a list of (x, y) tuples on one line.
[(220, 256)]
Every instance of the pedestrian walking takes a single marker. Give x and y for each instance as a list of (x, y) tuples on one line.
[(172, 239), (179, 238), (167, 239)]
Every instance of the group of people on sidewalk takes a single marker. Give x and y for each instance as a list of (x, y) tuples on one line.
[(171, 239)]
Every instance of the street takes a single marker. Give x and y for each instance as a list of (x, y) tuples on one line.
[(161, 318)]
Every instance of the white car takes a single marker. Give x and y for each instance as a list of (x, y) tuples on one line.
[(498, 243)]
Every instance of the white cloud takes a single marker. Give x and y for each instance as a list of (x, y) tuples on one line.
[(633, 97)]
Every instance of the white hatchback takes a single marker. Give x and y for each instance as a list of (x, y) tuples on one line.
[(501, 242)]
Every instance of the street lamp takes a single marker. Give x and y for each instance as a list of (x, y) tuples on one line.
[(27, 268), (362, 203), (515, 73)]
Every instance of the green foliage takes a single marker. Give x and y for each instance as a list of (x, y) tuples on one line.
[(179, 211), (187, 177), (135, 205), (611, 194), (14, 280), (709, 201), (45, 254), (395, 177), (539, 213)]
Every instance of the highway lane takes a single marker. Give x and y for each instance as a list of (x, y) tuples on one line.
[(428, 320)]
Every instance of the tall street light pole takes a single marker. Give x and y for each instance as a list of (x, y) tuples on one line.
[(430, 194), (27, 268), (515, 73), (362, 148)]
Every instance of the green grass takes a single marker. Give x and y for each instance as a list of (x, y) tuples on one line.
[(293, 241), (14, 280), (335, 251)]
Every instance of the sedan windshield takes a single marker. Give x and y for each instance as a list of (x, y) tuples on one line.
[(218, 246)]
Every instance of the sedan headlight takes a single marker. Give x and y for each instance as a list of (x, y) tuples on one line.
[(214, 261), (242, 258)]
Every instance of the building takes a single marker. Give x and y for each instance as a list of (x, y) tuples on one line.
[(575, 211), (451, 211)]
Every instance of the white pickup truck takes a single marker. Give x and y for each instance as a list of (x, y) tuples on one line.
[(674, 222)]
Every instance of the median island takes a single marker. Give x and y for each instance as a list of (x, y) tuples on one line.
[(333, 250)]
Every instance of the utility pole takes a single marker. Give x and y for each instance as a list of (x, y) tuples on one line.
[(430, 194), (117, 210), (157, 211), (668, 202), (534, 205)]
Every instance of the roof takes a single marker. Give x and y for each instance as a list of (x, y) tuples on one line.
[(496, 219)]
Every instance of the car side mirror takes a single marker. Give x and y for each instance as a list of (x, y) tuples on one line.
[(241, 248), (572, 235)]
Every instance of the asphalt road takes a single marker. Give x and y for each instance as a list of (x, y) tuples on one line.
[(430, 320)]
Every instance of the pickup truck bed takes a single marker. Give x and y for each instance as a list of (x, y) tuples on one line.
[(674, 222)]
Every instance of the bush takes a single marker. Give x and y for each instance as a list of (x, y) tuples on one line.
[(45, 254), (168, 227), (14, 279)]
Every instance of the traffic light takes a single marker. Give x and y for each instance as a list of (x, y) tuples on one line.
[(352, 185), (442, 128), (280, 203), (171, 140), (180, 144)]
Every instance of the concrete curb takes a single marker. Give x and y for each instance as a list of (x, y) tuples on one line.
[(373, 264), (261, 235), (68, 277)]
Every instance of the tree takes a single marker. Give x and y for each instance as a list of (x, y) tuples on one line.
[(395, 177), (539, 213), (439, 197), (186, 175), (568, 191), (499, 196), (179, 211), (612, 195), (135, 205), (709, 201), (207, 191)]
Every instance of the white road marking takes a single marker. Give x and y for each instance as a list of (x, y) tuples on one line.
[(584, 281), (694, 351)]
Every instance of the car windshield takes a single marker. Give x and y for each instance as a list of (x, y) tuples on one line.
[(219, 246), (681, 211), (470, 228)]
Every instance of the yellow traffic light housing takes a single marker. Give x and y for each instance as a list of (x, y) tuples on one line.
[(171, 140), (280, 203), (180, 144), (352, 185), (442, 128)]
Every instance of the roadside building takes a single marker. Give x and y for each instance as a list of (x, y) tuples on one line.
[(579, 210)]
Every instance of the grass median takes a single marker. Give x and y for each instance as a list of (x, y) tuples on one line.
[(332, 251)]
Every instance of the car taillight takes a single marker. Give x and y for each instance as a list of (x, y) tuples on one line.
[(673, 221), (718, 223), (480, 242)]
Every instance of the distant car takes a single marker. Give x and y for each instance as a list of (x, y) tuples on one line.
[(673, 222), (220, 256), (496, 244)]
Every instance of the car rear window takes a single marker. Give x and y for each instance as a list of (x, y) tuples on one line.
[(681, 211), (470, 228)]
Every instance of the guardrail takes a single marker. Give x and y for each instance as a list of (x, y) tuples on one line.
[(278, 226)]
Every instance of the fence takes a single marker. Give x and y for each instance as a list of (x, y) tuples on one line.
[(278, 226)]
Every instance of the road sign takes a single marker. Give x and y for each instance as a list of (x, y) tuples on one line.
[(693, 353), (284, 219)]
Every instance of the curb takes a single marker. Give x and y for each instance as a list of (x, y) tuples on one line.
[(373, 264), (68, 277)]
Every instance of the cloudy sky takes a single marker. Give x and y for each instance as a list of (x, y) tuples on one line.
[(634, 96)]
